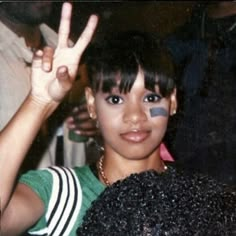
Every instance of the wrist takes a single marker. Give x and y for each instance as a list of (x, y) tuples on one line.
[(44, 107)]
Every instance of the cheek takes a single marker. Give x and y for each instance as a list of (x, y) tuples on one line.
[(159, 126), (109, 127), (108, 120)]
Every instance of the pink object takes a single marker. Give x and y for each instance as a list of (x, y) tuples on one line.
[(165, 155)]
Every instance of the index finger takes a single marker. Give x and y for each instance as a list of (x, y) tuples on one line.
[(64, 28), (86, 35)]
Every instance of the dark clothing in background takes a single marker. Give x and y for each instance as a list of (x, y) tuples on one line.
[(205, 52)]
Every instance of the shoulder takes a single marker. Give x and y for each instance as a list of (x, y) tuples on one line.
[(193, 183), (48, 181), (37, 178), (88, 180), (60, 190), (203, 198)]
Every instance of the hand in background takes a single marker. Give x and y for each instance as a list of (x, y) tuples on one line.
[(80, 122)]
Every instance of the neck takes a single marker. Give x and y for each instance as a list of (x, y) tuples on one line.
[(113, 169), (31, 33)]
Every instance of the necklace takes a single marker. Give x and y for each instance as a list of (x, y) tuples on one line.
[(101, 171)]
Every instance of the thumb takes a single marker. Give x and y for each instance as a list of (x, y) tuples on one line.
[(64, 78)]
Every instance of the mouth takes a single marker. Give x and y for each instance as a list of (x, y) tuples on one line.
[(135, 136)]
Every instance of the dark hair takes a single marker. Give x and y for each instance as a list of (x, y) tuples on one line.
[(121, 56), (170, 203)]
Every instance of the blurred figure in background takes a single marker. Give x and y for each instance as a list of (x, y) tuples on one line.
[(205, 52), (22, 32)]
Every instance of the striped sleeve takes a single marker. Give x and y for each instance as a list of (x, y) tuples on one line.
[(64, 203)]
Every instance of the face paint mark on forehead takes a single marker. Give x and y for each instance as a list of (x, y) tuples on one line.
[(158, 111)]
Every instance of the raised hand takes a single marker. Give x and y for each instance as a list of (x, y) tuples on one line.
[(52, 76), (54, 72)]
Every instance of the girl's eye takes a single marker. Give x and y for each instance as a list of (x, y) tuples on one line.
[(152, 98), (113, 99)]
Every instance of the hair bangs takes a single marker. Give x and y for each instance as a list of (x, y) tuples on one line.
[(118, 72), (116, 63)]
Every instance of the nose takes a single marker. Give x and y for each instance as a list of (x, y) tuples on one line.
[(134, 113)]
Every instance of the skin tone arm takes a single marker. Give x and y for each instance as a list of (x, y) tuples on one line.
[(52, 77)]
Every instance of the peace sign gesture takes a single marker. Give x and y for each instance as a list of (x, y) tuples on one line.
[(54, 72)]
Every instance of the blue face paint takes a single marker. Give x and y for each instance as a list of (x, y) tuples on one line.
[(158, 111)]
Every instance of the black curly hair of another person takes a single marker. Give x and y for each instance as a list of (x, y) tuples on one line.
[(166, 204)]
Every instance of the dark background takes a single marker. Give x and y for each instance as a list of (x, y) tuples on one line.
[(158, 17)]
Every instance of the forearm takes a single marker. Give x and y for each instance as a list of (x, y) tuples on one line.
[(52, 76), (15, 141)]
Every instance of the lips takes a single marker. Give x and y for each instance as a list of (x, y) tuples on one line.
[(135, 136)]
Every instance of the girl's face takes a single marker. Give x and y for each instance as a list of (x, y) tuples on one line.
[(133, 124)]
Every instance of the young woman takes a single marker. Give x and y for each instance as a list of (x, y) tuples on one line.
[(132, 95)]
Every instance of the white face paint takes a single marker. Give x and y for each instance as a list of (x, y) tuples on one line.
[(158, 111)]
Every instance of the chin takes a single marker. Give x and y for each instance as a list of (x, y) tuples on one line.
[(137, 155)]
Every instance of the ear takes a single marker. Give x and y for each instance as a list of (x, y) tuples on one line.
[(90, 103), (173, 102)]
